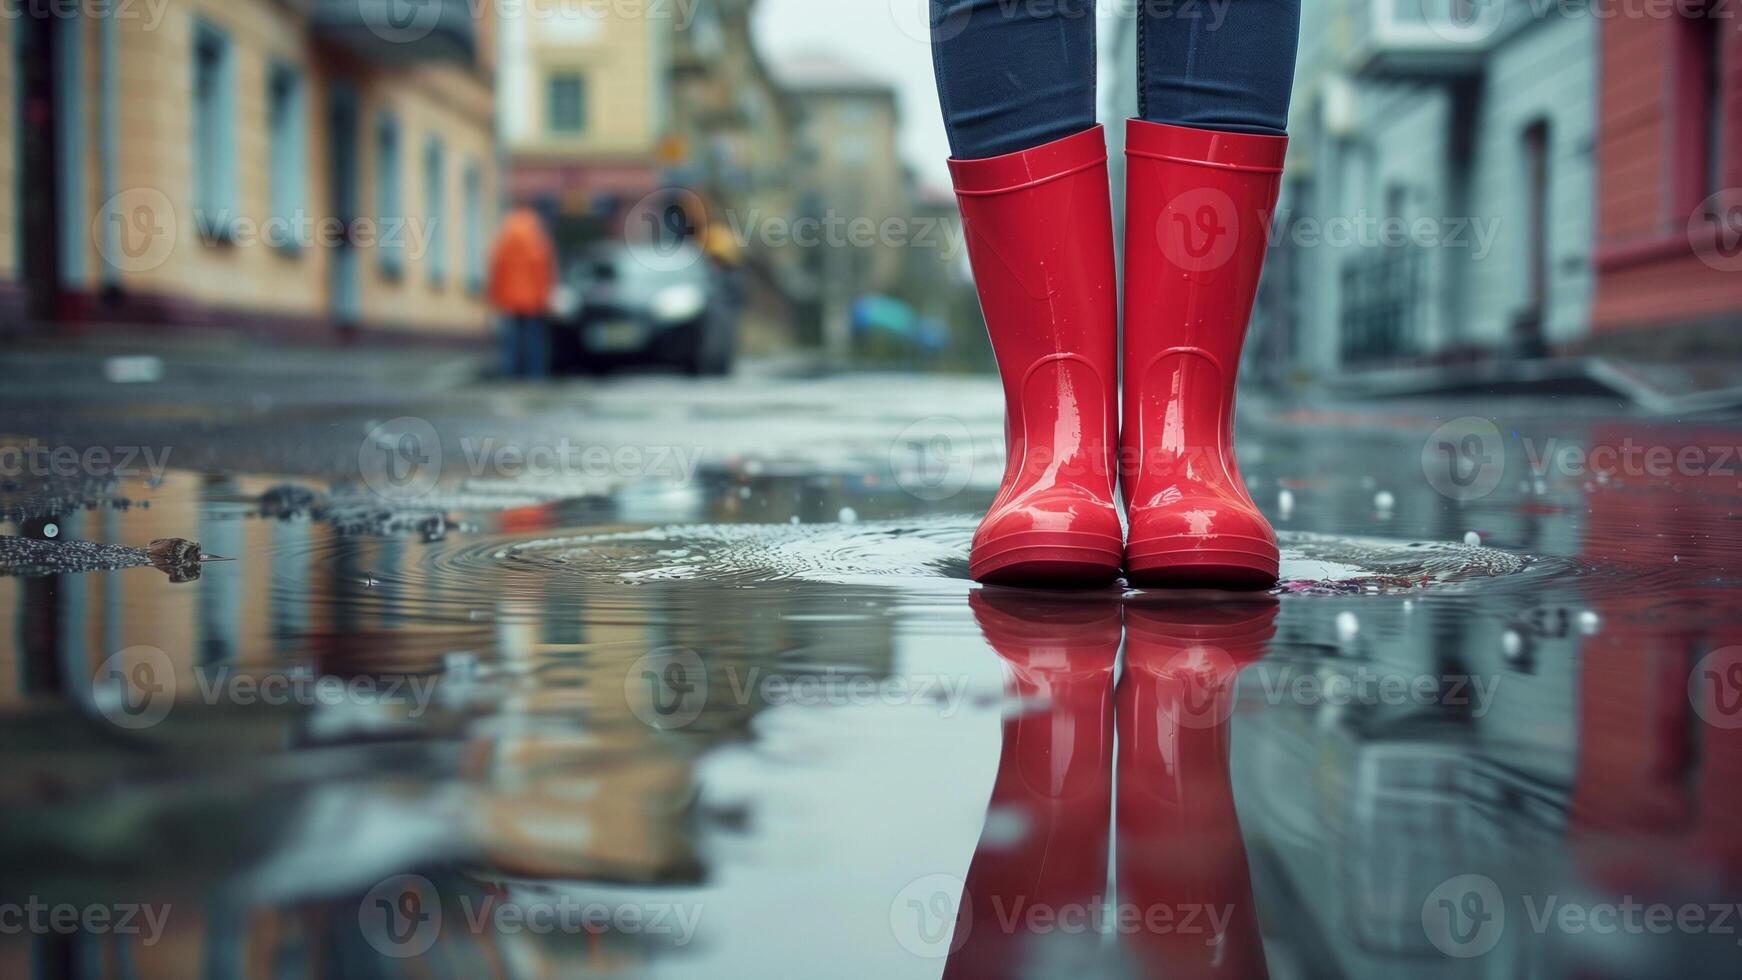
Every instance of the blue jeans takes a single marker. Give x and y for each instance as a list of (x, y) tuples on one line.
[(525, 347), (1014, 74)]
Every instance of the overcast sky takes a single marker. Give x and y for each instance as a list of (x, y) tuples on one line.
[(885, 38)]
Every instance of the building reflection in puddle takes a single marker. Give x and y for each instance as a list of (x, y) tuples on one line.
[(1035, 898)]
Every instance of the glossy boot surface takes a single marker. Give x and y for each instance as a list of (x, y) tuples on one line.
[(1039, 230), (1046, 838), (1198, 209), (1178, 839)]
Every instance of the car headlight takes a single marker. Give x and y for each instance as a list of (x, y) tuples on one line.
[(564, 301), (678, 302)]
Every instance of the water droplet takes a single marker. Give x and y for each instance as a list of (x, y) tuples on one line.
[(743, 493), (1472, 539), (1384, 500), (1539, 488), (849, 515), (368, 581), (1347, 626), (51, 530), (793, 519), (1285, 502), (1590, 623), (1511, 644)]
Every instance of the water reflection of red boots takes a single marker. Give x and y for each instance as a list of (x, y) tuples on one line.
[(1043, 852), (1182, 868), (1036, 891)]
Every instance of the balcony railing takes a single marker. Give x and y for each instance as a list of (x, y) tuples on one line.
[(397, 32), (1384, 290), (1423, 39)]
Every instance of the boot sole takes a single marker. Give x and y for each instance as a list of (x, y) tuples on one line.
[(1050, 558), (1236, 564)]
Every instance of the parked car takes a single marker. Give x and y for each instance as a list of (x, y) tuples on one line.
[(619, 304)]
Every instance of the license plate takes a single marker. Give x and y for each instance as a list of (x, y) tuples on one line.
[(616, 335)]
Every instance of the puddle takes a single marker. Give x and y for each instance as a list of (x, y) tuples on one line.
[(767, 707)]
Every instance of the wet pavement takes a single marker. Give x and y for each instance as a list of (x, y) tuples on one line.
[(650, 677)]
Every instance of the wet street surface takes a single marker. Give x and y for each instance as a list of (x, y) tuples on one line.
[(317, 676)]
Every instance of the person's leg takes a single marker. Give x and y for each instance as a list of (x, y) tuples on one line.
[(1012, 76), (1203, 167), (536, 338), (1217, 64), (509, 341), (1017, 85)]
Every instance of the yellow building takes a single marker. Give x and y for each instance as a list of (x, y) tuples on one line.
[(323, 168), (585, 96)]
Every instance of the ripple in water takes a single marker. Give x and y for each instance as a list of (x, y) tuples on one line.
[(937, 548)]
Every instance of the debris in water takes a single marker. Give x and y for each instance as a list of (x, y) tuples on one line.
[(178, 558)]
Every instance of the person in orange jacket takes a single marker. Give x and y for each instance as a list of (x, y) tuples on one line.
[(522, 274)]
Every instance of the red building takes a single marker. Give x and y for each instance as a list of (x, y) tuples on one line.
[(1669, 159)]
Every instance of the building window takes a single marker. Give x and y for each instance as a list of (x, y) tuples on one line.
[(286, 125), (214, 131), (1698, 110), (389, 197), (434, 199), (567, 105), (474, 231), (1536, 145)]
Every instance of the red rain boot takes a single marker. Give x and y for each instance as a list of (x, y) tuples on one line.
[(1198, 207), (1055, 777), (1039, 229), (1178, 833)]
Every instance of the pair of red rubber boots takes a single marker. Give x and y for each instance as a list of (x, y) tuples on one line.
[(1040, 239)]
